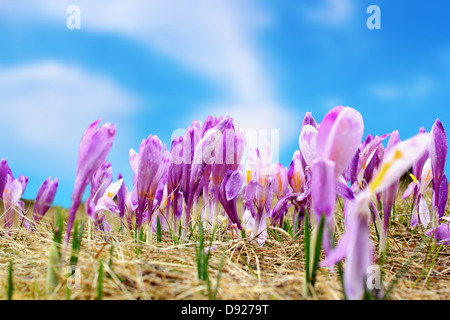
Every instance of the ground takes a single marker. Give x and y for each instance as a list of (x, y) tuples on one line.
[(243, 269)]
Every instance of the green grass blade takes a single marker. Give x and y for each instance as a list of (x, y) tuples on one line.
[(158, 229), (317, 250), (10, 287), (100, 281)]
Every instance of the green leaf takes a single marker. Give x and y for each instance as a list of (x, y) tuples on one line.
[(54, 257), (306, 236), (317, 249), (158, 229)]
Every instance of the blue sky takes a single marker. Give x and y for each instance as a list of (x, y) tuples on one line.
[(154, 66)]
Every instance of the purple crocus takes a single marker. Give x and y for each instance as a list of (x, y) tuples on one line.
[(280, 174), (308, 144), (152, 164), (228, 194), (94, 147), (259, 191), (46, 194), (5, 171), (228, 156), (121, 197), (355, 244), (13, 191), (420, 185), (323, 191), (338, 139), (106, 203), (440, 233), (339, 136), (99, 181), (438, 154), (414, 186), (389, 195), (174, 176), (369, 159), (309, 120), (204, 155), (299, 181)]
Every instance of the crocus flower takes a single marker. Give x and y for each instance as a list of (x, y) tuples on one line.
[(12, 193), (46, 194), (228, 194), (323, 191), (355, 244), (414, 186), (309, 120), (174, 175), (441, 233), (296, 174), (339, 136), (121, 197), (443, 196), (99, 181), (421, 212), (228, 156), (368, 161), (438, 154), (338, 139), (204, 155), (259, 191), (308, 144), (5, 170), (106, 203), (389, 195), (280, 174), (94, 147), (190, 140), (153, 163)]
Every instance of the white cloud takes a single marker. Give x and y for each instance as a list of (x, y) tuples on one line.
[(217, 39), (44, 107)]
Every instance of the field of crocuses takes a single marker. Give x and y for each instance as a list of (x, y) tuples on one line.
[(354, 216)]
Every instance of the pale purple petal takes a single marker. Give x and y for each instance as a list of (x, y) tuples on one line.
[(339, 136), (443, 196)]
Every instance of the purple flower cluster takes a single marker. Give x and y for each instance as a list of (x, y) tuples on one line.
[(334, 160)]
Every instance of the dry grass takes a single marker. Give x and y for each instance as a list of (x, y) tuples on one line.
[(166, 271)]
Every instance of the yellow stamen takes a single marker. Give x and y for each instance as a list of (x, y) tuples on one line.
[(414, 178), (280, 184), (365, 165), (382, 173), (249, 176), (428, 174)]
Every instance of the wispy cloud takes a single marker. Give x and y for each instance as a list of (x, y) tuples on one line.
[(45, 107), (216, 39), (46, 103)]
